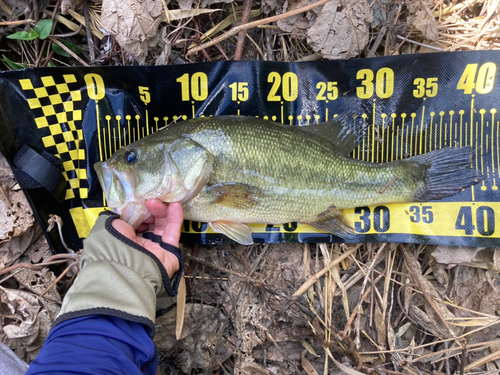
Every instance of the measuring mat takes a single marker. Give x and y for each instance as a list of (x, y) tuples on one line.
[(56, 123)]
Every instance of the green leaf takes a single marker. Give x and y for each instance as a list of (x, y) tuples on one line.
[(62, 52), (50, 64), (23, 35), (43, 28), (14, 65)]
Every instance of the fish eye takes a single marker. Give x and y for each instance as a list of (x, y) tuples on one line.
[(130, 156)]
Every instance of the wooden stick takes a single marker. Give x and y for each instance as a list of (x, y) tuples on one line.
[(250, 25), (15, 23), (54, 40), (241, 35), (314, 278)]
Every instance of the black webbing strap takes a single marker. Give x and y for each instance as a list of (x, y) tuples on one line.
[(34, 170), (174, 250)]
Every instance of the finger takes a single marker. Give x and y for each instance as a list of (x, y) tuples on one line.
[(142, 228), (172, 233), (125, 229), (158, 210)]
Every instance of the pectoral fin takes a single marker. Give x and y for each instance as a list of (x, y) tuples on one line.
[(333, 221), (238, 232), (234, 195)]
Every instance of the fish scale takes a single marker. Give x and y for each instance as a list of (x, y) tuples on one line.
[(301, 175), (257, 171)]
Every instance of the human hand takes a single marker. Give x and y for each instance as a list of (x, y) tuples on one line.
[(165, 221)]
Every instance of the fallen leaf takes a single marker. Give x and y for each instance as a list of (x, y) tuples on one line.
[(379, 9), (477, 322), (205, 3), (6, 175), (66, 5), (422, 17), (309, 348), (472, 291), (16, 215), (177, 14), (37, 282), (185, 4), (307, 366), (166, 48), (430, 318), (268, 6), (24, 307), (202, 325), (14, 9), (134, 24), (341, 29), (478, 257), (297, 25), (26, 321), (380, 325)]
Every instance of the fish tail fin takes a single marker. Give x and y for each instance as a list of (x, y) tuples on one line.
[(450, 171)]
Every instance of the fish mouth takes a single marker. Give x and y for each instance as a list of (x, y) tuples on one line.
[(116, 186), (104, 175)]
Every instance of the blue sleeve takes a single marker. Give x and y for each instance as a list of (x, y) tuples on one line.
[(97, 344)]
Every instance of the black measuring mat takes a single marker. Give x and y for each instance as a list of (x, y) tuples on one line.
[(400, 107)]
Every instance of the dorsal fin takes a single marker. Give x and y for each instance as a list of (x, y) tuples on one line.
[(335, 132)]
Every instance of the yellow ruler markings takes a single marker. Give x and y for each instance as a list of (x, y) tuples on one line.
[(498, 148), (461, 132), (436, 131), (104, 144), (98, 129), (492, 147), (128, 117), (401, 149), (413, 115), (394, 141), (137, 117), (463, 219), (385, 149), (108, 120), (404, 151), (441, 114), (421, 132), (119, 124), (373, 131), (482, 111), (431, 131), (448, 137), (455, 135), (471, 121), (363, 116)]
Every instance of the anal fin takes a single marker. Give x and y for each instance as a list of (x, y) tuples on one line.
[(238, 232), (333, 222)]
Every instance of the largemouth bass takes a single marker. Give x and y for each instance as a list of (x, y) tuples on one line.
[(229, 171)]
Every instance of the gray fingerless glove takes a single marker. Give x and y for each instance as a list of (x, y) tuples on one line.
[(118, 277)]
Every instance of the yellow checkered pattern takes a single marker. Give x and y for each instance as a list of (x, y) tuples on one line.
[(53, 104)]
